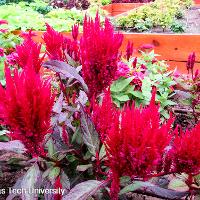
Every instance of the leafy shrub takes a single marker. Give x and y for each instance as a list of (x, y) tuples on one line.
[(177, 27), (31, 19), (2, 2), (143, 25), (105, 2)]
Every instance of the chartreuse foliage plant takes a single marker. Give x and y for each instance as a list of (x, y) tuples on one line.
[(59, 113), (161, 13), (24, 17)]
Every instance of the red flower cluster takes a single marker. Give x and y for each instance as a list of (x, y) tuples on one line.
[(57, 46), (191, 61), (103, 116), (186, 150), (135, 141), (54, 43), (29, 52), (129, 50), (25, 106), (99, 54)]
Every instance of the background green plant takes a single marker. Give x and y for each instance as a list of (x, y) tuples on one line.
[(33, 16), (156, 75), (161, 13)]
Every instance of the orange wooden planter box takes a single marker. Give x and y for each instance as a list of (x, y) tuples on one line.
[(119, 8), (171, 47), (174, 48)]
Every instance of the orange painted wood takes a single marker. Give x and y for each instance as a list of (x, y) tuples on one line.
[(172, 48), (119, 8), (181, 66)]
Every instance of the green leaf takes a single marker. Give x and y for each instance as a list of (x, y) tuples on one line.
[(54, 173), (82, 168), (130, 188), (102, 152), (120, 84), (137, 94), (51, 148), (122, 98), (146, 88), (178, 185)]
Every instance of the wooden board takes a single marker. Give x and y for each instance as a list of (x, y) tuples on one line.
[(174, 48), (171, 47), (119, 8)]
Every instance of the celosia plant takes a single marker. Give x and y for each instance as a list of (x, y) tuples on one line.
[(58, 46), (29, 51), (187, 152), (99, 54), (25, 107), (136, 144)]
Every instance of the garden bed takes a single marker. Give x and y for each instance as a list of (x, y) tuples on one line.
[(190, 23), (115, 9)]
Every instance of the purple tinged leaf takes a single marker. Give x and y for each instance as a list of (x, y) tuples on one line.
[(15, 146), (84, 190), (64, 179), (90, 135), (82, 99), (31, 180), (57, 108), (66, 70), (17, 185)]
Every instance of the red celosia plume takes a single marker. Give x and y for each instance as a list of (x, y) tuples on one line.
[(129, 50), (58, 46), (135, 141), (99, 54), (26, 105), (104, 115), (29, 50), (191, 61), (54, 43), (186, 151)]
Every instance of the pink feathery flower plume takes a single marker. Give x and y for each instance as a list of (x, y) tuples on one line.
[(26, 106), (99, 54), (29, 49)]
